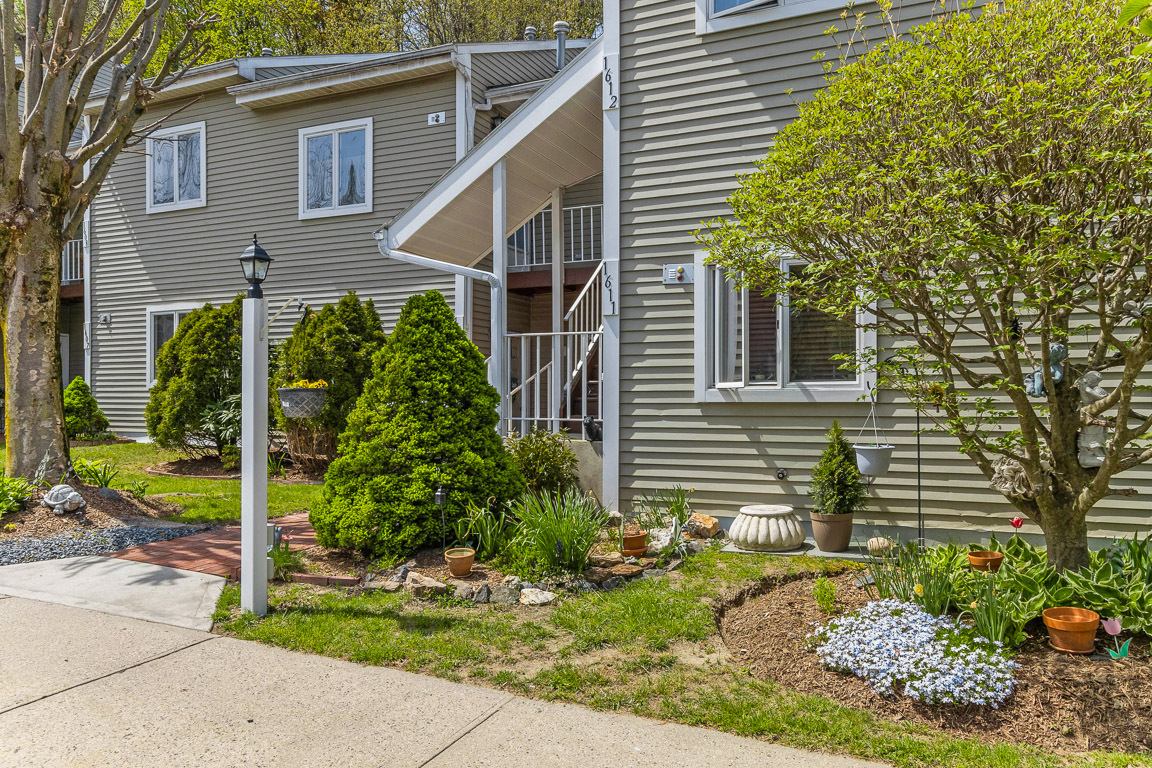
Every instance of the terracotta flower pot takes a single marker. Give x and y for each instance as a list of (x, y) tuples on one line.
[(985, 561), (1072, 630), (634, 544), (460, 561), (833, 533)]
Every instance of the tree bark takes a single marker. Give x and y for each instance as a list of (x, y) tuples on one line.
[(35, 439), (1066, 538)]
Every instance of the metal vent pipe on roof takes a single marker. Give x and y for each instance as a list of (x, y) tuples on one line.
[(267, 52), (561, 29), (530, 32)]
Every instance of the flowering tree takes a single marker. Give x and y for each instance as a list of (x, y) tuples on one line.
[(977, 191), (52, 53)]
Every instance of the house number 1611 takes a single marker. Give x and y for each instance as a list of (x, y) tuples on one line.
[(610, 92)]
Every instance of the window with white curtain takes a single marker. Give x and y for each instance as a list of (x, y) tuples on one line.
[(176, 167), (759, 348), (336, 169)]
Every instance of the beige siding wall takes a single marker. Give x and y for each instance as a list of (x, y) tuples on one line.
[(697, 111), (142, 259)]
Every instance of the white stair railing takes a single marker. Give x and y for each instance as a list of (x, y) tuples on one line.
[(72, 262), (587, 312)]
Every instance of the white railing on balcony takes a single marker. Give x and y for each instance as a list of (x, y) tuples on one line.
[(531, 245), (532, 368), (72, 262)]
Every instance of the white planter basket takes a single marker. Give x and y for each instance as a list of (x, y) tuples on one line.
[(302, 402), (873, 460)]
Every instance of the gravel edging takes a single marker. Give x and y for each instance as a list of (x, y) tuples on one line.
[(28, 549)]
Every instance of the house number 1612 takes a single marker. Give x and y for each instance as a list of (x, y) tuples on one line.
[(610, 92)]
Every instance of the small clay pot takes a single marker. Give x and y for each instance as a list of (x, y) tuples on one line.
[(634, 544), (986, 561), (1072, 630), (460, 561)]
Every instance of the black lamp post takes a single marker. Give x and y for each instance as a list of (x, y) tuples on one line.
[(441, 499), (255, 261)]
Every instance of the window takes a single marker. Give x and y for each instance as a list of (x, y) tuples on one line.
[(336, 169), (176, 168), (162, 324), (751, 347), (719, 15)]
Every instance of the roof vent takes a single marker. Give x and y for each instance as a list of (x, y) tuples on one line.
[(530, 32), (560, 28), (267, 52)]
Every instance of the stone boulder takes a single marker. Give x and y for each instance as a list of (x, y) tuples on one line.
[(536, 597), (702, 526), (62, 499), (625, 571), (606, 560), (423, 586), (506, 594), (481, 594)]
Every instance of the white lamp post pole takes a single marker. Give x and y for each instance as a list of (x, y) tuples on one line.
[(254, 459), (254, 562)]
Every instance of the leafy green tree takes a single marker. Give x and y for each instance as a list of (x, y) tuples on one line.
[(335, 345), (977, 191), (836, 488), (82, 414), (196, 370), (427, 418)]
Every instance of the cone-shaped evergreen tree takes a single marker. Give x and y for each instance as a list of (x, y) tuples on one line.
[(82, 415), (836, 488), (427, 418)]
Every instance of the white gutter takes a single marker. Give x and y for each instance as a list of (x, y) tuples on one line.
[(441, 266)]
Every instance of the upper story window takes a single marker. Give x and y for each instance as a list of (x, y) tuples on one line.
[(756, 348), (719, 15), (336, 169), (176, 168)]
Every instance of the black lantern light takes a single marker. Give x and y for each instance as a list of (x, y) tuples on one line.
[(441, 499), (254, 261)]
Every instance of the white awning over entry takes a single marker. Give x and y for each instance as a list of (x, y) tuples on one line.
[(553, 140)]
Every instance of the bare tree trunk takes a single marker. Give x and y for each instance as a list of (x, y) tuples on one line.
[(32, 370), (1066, 539)]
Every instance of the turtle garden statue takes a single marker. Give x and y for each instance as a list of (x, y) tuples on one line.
[(62, 499)]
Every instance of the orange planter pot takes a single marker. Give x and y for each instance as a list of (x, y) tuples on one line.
[(460, 561), (634, 544), (1072, 630), (986, 561)]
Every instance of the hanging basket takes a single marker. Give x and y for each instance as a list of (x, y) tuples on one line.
[(302, 402), (873, 460)]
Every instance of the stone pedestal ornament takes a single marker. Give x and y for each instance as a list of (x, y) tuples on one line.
[(62, 499), (767, 528)]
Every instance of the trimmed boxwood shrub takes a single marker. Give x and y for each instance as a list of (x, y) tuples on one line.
[(335, 345), (197, 368), (427, 417), (82, 415)]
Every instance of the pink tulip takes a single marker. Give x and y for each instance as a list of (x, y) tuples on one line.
[(1017, 522), (1112, 626)]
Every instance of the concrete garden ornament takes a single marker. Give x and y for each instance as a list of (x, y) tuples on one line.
[(1034, 382), (767, 528), (1090, 441), (62, 499)]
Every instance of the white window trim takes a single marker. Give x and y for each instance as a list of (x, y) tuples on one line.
[(708, 22), (149, 354), (179, 205), (302, 162), (740, 392)]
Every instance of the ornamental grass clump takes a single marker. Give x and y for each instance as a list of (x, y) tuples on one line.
[(893, 645)]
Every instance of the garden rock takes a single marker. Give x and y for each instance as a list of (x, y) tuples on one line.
[(615, 518), (597, 575), (400, 575), (463, 591), (583, 586), (702, 526), (606, 560), (627, 571), (652, 573), (515, 580), (612, 583), (506, 594), (696, 546), (423, 586), (659, 540), (631, 561), (62, 499), (536, 597), (109, 493), (481, 594)]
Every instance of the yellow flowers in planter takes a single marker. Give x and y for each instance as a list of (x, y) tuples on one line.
[(306, 384)]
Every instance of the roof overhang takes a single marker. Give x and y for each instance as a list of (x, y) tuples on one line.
[(196, 81), (554, 140), (348, 77)]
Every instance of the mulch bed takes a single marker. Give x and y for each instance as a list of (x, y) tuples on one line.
[(35, 520), (1061, 702), (210, 468), (430, 562)]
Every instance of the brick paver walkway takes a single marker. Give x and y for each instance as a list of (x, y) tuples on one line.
[(215, 552)]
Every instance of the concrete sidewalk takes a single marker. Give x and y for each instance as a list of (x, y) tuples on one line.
[(81, 688)]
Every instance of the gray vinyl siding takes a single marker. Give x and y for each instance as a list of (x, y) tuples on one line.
[(142, 259), (697, 111), (491, 70)]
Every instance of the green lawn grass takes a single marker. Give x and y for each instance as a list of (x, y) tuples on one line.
[(649, 648), (213, 501)]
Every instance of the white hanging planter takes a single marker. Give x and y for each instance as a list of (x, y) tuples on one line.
[(874, 460)]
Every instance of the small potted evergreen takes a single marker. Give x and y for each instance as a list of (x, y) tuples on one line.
[(837, 493)]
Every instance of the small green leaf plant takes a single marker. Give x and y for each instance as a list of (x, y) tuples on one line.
[(825, 593), (836, 488)]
